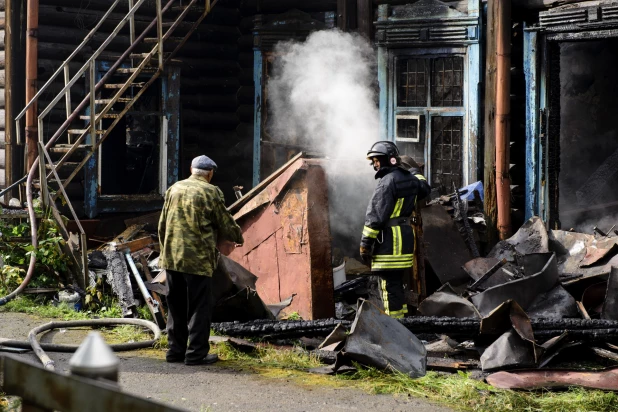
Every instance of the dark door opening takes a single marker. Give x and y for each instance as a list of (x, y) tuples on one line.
[(587, 152)]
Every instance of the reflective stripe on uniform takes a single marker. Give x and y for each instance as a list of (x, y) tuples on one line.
[(420, 177), (369, 232), (399, 314), (391, 258), (401, 264), (398, 207), (384, 295)]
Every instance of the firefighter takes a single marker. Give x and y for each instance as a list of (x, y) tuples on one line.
[(387, 243)]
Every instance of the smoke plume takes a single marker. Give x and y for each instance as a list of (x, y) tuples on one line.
[(322, 97)]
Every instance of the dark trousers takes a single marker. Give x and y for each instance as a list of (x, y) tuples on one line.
[(393, 295), (190, 305)]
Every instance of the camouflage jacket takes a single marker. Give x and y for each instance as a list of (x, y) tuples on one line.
[(193, 218)]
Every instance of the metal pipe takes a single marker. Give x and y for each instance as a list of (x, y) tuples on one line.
[(503, 116), (32, 28)]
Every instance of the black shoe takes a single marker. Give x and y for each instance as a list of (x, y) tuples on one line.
[(207, 360), (174, 358)]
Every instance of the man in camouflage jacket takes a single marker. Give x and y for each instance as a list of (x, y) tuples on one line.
[(193, 220)]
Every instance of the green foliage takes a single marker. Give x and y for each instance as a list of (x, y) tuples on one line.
[(293, 316), (50, 260)]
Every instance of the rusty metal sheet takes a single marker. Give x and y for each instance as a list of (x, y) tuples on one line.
[(479, 267), (287, 240), (523, 291), (441, 234), (556, 304), (445, 302), (293, 214), (571, 249), (532, 237), (378, 340), (610, 305), (546, 379), (594, 254)]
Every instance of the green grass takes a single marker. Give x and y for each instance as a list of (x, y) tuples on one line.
[(36, 307), (458, 391)]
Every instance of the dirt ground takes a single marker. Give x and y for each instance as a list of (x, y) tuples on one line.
[(218, 387)]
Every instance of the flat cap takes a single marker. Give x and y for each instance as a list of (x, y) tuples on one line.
[(203, 162)]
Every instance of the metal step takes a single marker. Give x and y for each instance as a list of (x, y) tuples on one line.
[(120, 85), (154, 40), (105, 116), (82, 131), (107, 101), (133, 70), (64, 148), (67, 165), (144, 55)]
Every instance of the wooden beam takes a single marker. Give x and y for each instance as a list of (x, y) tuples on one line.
[(346, 15), (364, 18)]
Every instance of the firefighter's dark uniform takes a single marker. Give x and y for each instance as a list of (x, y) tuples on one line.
[(387, 230)]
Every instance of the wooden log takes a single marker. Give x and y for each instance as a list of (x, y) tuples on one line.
[(246, 94), (77, 91), (2, 98), (459, 5), (2, 39), (245, 60), (210, 101), (364, 18), (67, 35), (221, 34), (245, 42), (212, 67), (2, 118), (2, 20), (279, 6), (2, 78), (246, 25), (245, 77), (224, 121), (194, 137), (192, 85), (47, 67), (203, 49), (2, 5), (1, 59), (245, 112), (245, 130), (60, 51)]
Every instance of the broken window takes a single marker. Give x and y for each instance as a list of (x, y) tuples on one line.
[(446, 165), (428, 88), (412, 82), (447, 81)]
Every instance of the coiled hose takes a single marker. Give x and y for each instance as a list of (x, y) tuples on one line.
[(40, 348), (33, 230)]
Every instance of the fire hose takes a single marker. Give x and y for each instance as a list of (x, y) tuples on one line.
[(40, 348)]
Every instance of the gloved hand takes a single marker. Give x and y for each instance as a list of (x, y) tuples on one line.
[(365, 255)]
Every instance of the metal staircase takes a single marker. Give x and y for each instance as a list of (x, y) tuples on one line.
[(133, 72)]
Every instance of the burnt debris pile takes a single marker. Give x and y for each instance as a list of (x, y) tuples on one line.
[(539, 300)]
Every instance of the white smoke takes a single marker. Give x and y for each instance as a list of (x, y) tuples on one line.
[(322, 97)]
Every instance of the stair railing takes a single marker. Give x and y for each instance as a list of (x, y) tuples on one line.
[(64, 67)]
